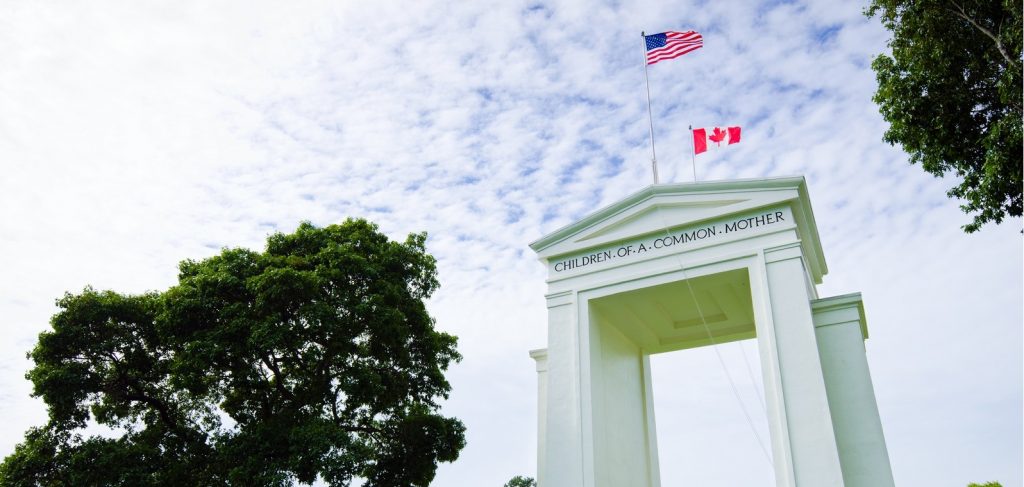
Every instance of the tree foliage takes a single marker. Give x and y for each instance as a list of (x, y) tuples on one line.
[(313, 359), (520, 481), (951, 92)]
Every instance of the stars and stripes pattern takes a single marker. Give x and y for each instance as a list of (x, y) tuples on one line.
[(670, 45)]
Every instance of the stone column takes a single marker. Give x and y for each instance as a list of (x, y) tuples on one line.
[(563, 442), (541, 357), (811, 443), (841, 330)]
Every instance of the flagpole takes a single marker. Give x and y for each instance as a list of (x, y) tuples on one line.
[(693, 154), (650, 115)]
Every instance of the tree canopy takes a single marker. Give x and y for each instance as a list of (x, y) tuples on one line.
[(520, 481), (951, 92), (315, 358)]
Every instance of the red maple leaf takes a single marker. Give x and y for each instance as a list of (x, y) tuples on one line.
[(717, 136)]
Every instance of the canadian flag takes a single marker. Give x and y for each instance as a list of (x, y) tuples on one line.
[(714, 137)]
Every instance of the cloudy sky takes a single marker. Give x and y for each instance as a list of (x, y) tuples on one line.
[(137, 134)]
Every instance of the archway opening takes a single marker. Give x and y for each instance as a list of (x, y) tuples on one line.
[(711, 425), (707, 397)]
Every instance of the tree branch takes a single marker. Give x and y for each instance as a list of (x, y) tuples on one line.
[(361, 429), (138, 393), (278, 376), (161, 409), (959, 12)]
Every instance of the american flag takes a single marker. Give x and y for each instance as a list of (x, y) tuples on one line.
[(670, 45)]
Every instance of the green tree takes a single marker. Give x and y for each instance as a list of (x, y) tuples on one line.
[(520, 481), (986, 484), (951, 92), (313, 359)]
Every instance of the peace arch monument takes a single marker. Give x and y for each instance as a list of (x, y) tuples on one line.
[(678, 266)]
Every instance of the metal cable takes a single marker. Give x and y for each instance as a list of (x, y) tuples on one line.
[(718, 354)]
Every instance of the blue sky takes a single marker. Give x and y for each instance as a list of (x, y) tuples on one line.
[(134, 136)]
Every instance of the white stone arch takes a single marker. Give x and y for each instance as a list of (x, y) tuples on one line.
[(748, 252)]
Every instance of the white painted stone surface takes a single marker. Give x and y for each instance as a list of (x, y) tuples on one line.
[(540, 356), (687, 265), (841, 329), (812, 443)]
